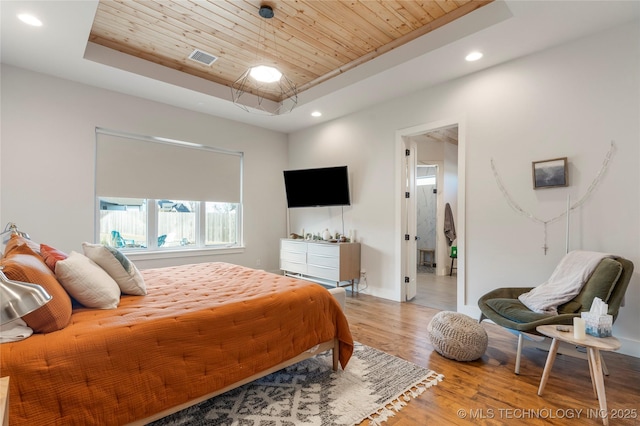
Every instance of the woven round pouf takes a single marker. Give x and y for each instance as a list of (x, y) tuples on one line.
[(457, 336)]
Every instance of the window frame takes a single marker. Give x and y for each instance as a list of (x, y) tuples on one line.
[(152, 232), (153, 251)]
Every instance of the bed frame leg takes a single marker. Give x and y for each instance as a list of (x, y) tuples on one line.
[(336, 354)]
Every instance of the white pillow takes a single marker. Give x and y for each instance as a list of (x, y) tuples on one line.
[(118, 266), (88, 283)]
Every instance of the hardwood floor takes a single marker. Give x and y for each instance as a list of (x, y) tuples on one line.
[(487, 391), (436, 291)]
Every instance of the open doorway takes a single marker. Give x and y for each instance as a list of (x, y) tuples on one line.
[(426, 216), (436, 186), (452, 188)]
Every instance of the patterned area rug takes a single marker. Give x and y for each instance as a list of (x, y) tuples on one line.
[(374, 386)]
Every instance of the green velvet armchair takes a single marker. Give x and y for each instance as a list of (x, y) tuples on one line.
[(609, 282)]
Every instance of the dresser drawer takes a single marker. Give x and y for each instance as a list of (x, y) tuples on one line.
[(320, 260), (324, 249), (293, 256), (298, 268), (293, 245), (332, 274)]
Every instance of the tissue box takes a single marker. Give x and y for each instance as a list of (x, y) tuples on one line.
[(597, 325)]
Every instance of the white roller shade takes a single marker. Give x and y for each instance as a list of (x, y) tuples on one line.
[(145, 167)]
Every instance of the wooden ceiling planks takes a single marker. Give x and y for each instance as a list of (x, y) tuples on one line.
[(315, 40)]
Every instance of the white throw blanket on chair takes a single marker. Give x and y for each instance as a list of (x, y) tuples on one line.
[(565, 283)]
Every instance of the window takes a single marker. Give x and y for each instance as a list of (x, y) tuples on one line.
[(123, 222), (178, 223), (155, 194), (221, 226), (426, 175)]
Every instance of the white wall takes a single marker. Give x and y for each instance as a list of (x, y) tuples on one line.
[(48, 157), (572, 101)]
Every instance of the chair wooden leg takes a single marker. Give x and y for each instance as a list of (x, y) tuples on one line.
[(519, 352)]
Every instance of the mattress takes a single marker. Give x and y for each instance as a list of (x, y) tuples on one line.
[(200, 328)]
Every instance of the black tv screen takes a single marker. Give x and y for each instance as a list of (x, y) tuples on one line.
[(328, 186)]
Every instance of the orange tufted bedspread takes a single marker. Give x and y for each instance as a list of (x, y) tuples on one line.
[(201, 328)]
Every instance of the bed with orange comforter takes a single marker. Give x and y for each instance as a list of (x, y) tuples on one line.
[(200, 329)]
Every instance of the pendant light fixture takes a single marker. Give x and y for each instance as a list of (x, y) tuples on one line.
[(263, 88)]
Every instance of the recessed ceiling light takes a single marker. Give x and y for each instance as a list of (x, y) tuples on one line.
[(316, 114), (30, 19), (473, 56)]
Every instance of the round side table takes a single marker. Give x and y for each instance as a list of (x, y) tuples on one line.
[(594, 345)]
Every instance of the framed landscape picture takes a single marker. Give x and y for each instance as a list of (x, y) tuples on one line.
[(550, 173)]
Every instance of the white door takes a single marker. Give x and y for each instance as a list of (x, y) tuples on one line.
[(409, 221)]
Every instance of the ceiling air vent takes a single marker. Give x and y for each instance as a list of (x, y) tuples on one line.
[(202, 57)]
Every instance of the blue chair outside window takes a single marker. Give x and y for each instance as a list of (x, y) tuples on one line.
[(118, 242)]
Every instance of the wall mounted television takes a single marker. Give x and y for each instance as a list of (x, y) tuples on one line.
[(328, 186)]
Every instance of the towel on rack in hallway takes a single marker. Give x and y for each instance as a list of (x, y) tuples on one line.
[(449, 226)]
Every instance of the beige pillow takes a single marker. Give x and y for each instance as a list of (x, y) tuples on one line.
[(118, 266), (87, 282)]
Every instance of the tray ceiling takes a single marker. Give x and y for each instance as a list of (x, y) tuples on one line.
[(314, 40)]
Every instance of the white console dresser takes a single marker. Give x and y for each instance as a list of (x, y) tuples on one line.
[(321, 261)]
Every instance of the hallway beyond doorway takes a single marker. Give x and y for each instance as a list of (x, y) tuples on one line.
[(435, 291)]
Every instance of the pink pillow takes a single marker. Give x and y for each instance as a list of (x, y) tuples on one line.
[(51, 256)]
